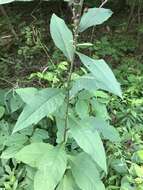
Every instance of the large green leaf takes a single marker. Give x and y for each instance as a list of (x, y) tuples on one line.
[(108, 131), (99, 109), (51, 169), (15, 103), (15, 139), (89, 141), (39, 135), (27, 94), (93, 17), (44, 103), (104, 77), (62, 36), (68, 182), (14, 143), (11, 151), (84, 112), (86, 82), (85, 173), (31, 154)]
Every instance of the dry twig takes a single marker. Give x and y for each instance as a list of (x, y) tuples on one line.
[(103, 3)]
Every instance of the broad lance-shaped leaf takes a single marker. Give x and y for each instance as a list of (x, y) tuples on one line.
[(84, 112), (31, 154), (15, 139), (86, 82), (108, 132), (104, 76), (14, 143), (85, 173), (62, 36), (51, 169), (89, 141), (11, 151), (93, 17), (44, 103), (99, 109), (15, 103), (26, 94), (68, 182)]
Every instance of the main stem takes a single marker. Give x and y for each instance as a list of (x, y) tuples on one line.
[(77, 12)]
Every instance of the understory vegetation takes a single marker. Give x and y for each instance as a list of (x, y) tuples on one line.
[(65, 122)]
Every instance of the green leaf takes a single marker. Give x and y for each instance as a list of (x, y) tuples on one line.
[(32, 154), (2, 111), (15, 103), (82, 108), (138, 157), (85, 173), (25, 93), (136, 170), (5, 1), (51, 169), (93, 17), (104, 77), (85, 95), (62, 36), (102, 95), (29, 178), (2, 96), (39, 135), (44, 103), (68, 182), (86, 82), (4, 127), (15, 139), (61, 129), (108, 131), (89, 141), (99, 109), (128, 183), (10, 152), (120, 166)]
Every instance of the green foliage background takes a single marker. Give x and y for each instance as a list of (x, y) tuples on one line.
[(23, 61)]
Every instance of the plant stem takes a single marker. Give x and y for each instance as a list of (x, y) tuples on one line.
[(77, 13)]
